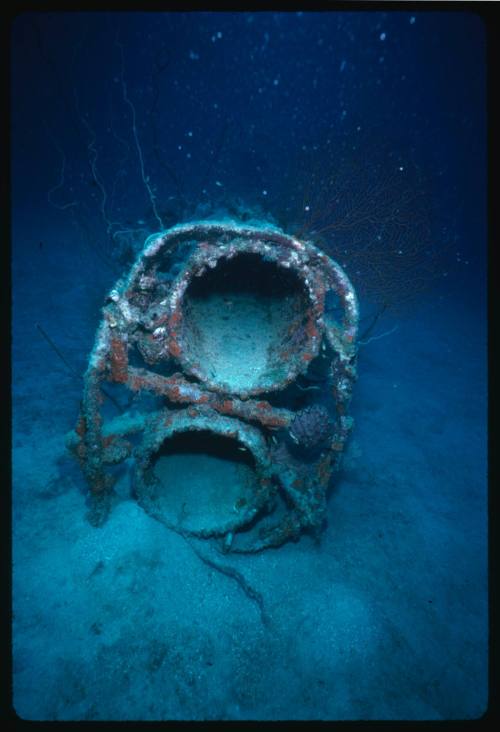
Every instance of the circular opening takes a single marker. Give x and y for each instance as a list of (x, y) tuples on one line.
[(238, 318), (205, 481)]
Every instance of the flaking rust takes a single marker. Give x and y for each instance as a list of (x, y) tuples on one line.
[(289, 413)]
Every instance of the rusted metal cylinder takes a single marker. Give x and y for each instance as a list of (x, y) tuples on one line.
[(188, 495), (245, 318), (235, 280)]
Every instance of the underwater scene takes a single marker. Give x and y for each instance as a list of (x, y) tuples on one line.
[(249, 366)]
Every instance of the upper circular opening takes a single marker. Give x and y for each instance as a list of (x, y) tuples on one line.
[(205, 481), (244, 323)]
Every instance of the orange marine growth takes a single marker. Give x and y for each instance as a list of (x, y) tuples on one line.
[(118, 361)]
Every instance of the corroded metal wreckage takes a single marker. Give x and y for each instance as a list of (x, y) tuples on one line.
[(225, 339)]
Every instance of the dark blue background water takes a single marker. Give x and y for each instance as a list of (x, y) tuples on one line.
[(234, 98), (123, 124)]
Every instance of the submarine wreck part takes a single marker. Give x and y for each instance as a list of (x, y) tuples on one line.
[(271, 269), (203, 341), (224, 481)]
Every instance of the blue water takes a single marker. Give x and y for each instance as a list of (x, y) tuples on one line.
[(364, 132)]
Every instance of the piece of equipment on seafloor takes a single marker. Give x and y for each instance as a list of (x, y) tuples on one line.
[(220, 382)]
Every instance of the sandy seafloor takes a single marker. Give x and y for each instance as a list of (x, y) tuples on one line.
[(386, 618)]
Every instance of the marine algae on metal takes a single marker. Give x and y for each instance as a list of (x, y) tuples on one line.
[(242, 333)]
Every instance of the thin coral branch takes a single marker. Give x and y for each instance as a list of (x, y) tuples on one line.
[(128, 102), (377, 337), (62, 180)]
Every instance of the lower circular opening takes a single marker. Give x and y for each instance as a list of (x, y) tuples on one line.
[(236, 318), (204, 480)]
